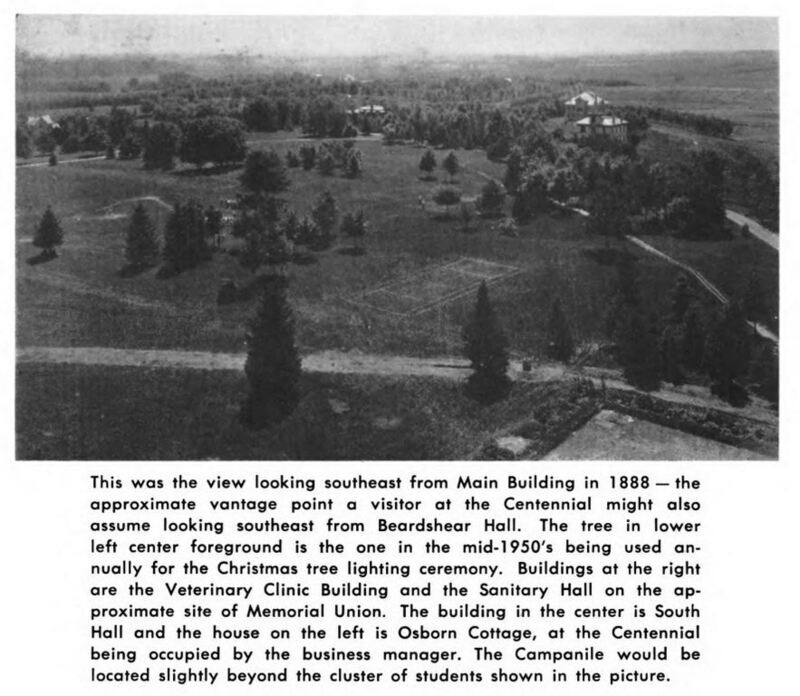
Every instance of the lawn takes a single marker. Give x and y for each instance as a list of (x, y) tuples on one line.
[(79, 412), (80, 298), (729, 264)]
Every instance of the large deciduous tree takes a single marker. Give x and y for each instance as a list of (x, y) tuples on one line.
[(161, 143), (213, 139)]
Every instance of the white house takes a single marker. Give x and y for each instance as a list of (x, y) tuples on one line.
[(583, 104)]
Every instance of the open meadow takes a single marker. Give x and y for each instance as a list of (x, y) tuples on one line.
[(80, 298)]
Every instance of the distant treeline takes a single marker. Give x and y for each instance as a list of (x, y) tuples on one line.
[(30, 68), (752, 183), (36, 102), (699, 123)]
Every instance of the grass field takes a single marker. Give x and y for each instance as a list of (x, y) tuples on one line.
[(80, 298), (729, 264), (78, 412)]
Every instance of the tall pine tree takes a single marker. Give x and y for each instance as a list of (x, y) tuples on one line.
[(728, 354), (273, 364), (49, 234), (141, 242), (487, 349)]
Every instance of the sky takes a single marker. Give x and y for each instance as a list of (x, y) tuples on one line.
[(371, 35)]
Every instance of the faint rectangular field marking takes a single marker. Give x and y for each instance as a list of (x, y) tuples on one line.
[(446, 283)]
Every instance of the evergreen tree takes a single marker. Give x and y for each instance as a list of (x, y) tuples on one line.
[(326, 162), (560, 345), (728, 354), (273, 366), (214, 225), (48, 234), (446, 196), (531, 196), (680, 299), (264, 172), (308, 156), (185, 238), (141, 242), (130, 147), (692, 339), (514, 168), (427, 163), (486, 348), (290, 227), (354, 227), (491, 199), (451, 165), (352, 163), (324, 214), (253, 252), (670, 350)]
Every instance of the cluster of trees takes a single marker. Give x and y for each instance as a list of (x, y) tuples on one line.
[(450, 164), (690, 339), (469, 125), (327, 157), (213, 139), (624, 194), (700, 123)]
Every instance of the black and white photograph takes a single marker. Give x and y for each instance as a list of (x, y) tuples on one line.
[(397, 237)]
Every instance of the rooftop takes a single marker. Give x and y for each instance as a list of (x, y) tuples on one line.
[(602, 121), (589, 98)]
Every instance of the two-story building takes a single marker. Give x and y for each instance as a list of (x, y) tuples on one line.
[(606, 125)]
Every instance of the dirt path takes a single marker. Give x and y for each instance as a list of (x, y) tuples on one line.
[(762, 330), (756, 229), (61, 161), (336, 362), (155, 199)]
